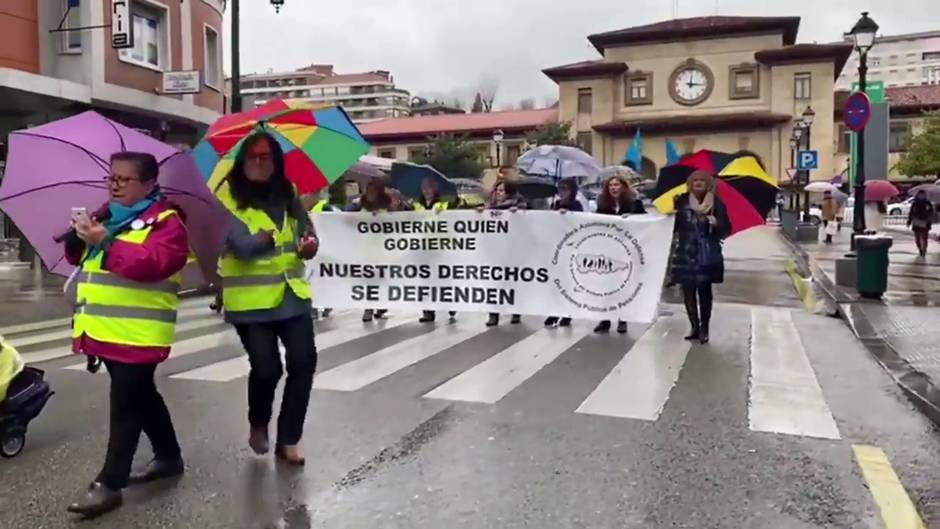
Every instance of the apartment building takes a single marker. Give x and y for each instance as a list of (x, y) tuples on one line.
[(366, 97), (167, 82), (898, 60)]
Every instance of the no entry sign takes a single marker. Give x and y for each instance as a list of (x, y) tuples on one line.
[(857, 111)]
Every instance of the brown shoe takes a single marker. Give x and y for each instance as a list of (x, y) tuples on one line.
[(290, 454), (258, 440)]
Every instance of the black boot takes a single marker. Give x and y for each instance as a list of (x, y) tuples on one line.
[(367, 315), (453, 316), (551, 321), (97, 500), (158, 469), (602, 327), (565, 322), (703, 335), (493, 320), (696, 327), (515, 320), (380, 314), (427, 316), (622, 327)]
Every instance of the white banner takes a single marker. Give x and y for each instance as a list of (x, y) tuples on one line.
[(530, 262)]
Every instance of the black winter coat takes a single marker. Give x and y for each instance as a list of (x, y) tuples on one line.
[(697, 257)]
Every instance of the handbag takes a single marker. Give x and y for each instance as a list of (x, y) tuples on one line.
[(832, 227), (920, 223)]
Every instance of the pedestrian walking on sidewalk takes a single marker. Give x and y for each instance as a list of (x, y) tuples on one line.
[(920, 220), (265, 292), (617, 198), (829, 211), (129, 256), (701, 225)]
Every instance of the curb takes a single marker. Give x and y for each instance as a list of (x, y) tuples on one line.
[(917, 386)]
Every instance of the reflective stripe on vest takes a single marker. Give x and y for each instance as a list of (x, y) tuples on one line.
[(262, 283), (319, 206), (117, 310)]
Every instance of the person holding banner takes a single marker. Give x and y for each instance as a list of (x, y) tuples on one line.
[(265, 293), (375, 200), (334, 202), (617, 198), (505, 196), (567, 201), (430, 200), (701, 224)]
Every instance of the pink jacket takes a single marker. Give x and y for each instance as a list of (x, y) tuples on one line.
[(163, 254)]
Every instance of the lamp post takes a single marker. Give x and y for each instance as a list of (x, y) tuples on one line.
[(794, 145), (809, 116), (863, 35), (798, 134), (498, 140), (236, 96)]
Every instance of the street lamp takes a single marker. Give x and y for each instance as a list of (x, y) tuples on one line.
[(236, 95), (498, 140), (863, 35), (809, 116)]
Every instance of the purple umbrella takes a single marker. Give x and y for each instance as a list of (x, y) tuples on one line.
[(64, 164)]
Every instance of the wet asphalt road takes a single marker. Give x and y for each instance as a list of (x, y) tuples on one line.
[(384, 455)]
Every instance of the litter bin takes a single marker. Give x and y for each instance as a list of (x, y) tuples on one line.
[(872, 265)]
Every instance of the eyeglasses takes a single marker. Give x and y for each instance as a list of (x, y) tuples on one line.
[(121, 181)]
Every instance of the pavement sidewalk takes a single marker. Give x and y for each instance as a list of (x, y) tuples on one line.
[(900, 329)]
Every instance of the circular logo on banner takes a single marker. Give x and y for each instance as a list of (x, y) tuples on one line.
[(597, 267)]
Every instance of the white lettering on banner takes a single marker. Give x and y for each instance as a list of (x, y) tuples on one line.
[(530, 262)]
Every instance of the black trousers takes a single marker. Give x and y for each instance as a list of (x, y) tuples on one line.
[(136, 406), (698, 304), (260, 341)]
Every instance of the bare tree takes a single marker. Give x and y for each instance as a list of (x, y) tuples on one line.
[(527, 104), (487, 89)]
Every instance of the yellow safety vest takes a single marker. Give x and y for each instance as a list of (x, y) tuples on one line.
[(10, 365), (121, 311), (261, 283), (320, 207), (438, 206)]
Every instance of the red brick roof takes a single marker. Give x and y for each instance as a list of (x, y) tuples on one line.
[(697, 28), (903, 100), (703, 123), (800, 53), (585, 69), (913, 99), (421, 127)]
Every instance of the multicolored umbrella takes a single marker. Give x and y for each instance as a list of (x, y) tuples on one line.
[(709, 161), (746, 190), (320, 143), (64, 164)]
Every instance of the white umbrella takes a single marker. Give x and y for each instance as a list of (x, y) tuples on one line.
[(632, 177), (821, 187), (558, 161)]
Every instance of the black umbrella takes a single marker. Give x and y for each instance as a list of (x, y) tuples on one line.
[(534, 187)]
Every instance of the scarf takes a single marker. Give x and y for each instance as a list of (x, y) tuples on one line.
[(121, 216), (703, 206)]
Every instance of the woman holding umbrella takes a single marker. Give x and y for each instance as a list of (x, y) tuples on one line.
[(430, 200), (265, 292), (129, 256), (617, 198), (701, 224), (920, 219)]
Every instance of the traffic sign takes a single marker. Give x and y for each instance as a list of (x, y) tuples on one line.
[(807, 160), (857, 111), (791, 174), (874, 89)]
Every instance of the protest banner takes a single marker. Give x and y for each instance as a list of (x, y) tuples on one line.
[(529, 262)]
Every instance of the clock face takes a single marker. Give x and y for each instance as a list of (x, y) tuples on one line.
[(691, 85)]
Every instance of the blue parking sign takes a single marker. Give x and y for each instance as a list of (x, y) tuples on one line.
[(807, 160)]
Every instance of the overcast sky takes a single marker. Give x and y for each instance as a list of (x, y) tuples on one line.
[(445, 48)]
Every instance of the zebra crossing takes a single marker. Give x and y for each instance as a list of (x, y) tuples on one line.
[(784, 395)]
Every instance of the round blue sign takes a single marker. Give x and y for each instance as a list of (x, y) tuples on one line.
[(857, 111)]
